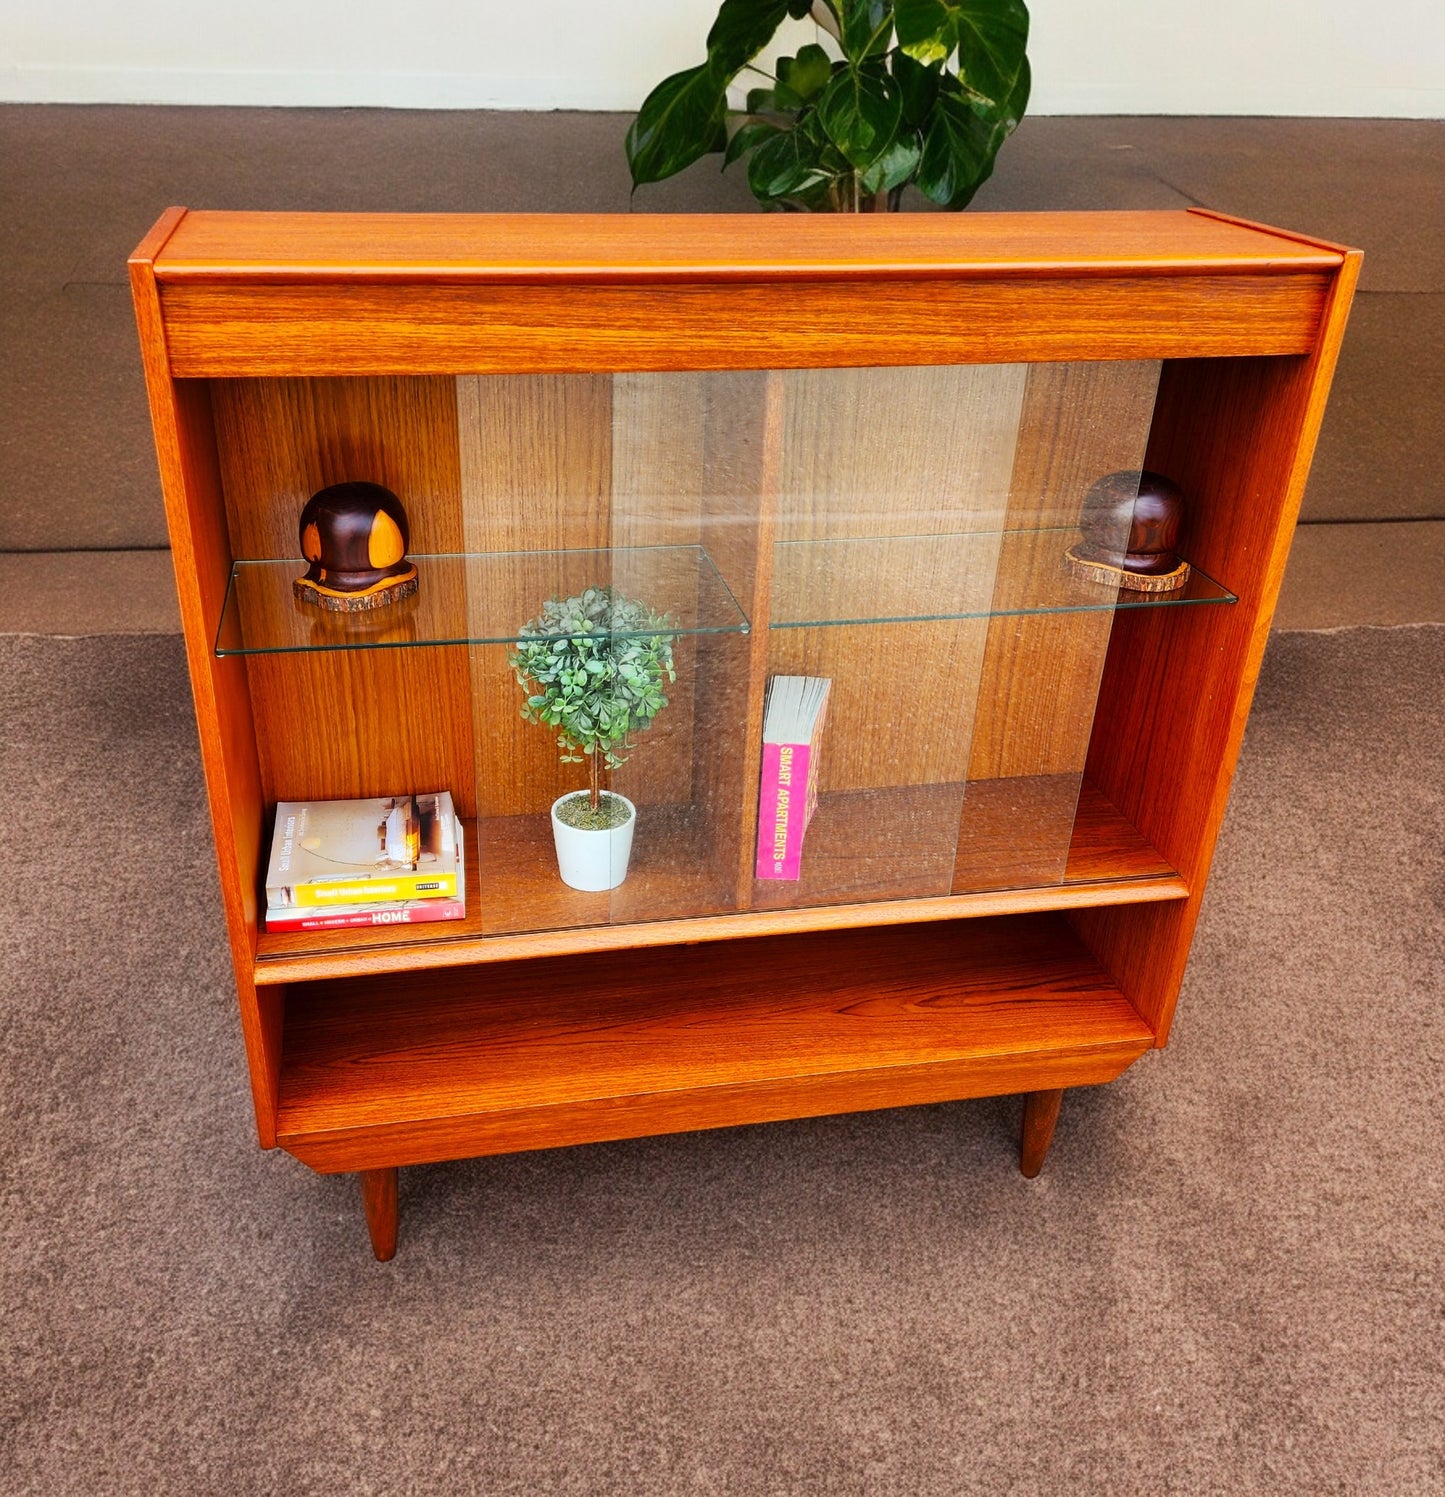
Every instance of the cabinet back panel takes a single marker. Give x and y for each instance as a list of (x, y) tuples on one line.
[(908, 454), (658, 480), (282, 439), (363, 723), (1041, 672), (574, 462), (357, 722), (536, 456), (899, 452)]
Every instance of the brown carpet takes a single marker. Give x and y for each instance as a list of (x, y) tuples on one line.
[(1228, 1279)]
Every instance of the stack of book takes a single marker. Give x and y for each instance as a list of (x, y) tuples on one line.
[(338, 863)]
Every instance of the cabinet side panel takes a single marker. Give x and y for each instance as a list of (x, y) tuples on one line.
[(183, 425), (228, 735), (1238, 436)]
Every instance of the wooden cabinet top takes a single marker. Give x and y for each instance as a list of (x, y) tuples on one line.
[(269, 294), (559, 248)]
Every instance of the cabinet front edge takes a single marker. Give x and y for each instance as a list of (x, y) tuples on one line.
[(474, 951)]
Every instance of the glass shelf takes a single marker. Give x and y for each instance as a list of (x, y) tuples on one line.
[(486, 598), (918, 578), (478, 598)]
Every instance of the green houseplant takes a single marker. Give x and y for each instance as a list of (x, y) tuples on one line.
[(593, 667), (921, 91)]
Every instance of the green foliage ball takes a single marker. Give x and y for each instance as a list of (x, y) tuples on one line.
[(594, 668)]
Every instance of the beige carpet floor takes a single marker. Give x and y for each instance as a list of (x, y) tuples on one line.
[(1228, 1279)]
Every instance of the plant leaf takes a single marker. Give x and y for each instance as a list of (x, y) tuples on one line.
[(954, 148), (895, 166), (963, 139), (782, 166), (742, 29), (1017, 101), (926, 31), (680, 121), (990, 36), (779, 99), (861, 110), (807, 74), (745, 137), (997, 120), (918, 86), (866, 27)]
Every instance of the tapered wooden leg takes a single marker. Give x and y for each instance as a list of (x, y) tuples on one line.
[(378, 1200), (1041, 1112)]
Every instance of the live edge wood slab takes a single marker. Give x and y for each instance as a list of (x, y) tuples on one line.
[(282, 349)]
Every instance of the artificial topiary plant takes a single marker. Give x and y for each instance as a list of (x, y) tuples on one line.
[(593, 666), (906, 91)]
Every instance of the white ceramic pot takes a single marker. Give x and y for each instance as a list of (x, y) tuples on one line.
[(593, 861)]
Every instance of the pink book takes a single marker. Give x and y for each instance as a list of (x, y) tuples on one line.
[(788, 788)]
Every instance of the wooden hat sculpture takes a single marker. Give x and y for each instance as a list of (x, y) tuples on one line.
[(355, 536), (1131, 523)]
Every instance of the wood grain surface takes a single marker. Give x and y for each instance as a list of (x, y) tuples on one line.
[(576, 1050), (536, 458), (1041, 1114), (378, 1203), (548, 248), (282, 439), (905, 454), (240, 329), (183, 426), (1238, 435), (1040, 675), (339, 725)]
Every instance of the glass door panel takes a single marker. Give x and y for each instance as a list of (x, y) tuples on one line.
[(875, 466), (1044, 659), (923, 518), (632, 479)]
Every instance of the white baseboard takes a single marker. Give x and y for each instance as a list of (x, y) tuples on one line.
[(1307, 100), (399, 90), (312, 89)]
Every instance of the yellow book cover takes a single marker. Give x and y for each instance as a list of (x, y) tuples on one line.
[(348, 852)]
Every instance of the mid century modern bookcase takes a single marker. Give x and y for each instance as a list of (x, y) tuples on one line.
[(851, 447)]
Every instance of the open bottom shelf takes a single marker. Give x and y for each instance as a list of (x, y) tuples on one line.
[(421, 1067)]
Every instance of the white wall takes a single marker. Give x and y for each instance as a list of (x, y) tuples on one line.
[(1316, 57)]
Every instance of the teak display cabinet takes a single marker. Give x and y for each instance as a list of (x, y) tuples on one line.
[(848, 447)]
